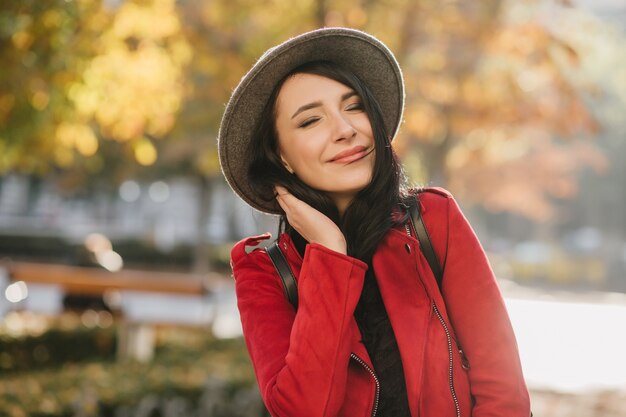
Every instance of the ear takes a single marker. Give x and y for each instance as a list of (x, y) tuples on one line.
[(286, 164)]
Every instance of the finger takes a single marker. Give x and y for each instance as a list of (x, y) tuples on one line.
[(282, 203), (280, 190), (286, 197)]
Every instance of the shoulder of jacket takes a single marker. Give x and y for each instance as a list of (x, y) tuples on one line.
[(432, 197), (248, 246), (435, 203), (434, 192)]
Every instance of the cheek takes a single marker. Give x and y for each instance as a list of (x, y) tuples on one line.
[(362, 123), (304, 152)]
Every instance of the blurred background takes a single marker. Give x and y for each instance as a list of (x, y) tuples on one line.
[(116, 224)]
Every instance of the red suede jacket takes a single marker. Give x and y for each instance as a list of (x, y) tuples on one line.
[(312, 363)]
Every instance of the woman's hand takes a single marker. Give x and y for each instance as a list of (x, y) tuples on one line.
[(312, 225)]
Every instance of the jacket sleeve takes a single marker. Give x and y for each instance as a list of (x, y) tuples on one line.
[(300, 359), (478, 314)]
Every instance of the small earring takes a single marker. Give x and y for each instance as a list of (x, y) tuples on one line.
[(287, 167), (286, 164)]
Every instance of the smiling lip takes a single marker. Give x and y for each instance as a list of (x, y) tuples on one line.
[(350, 155)]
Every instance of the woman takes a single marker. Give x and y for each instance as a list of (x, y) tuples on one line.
[(307, 135)]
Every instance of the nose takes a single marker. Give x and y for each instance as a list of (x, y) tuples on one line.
[(342, 128)]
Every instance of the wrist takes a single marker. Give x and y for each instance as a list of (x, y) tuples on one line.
[(339, 246)]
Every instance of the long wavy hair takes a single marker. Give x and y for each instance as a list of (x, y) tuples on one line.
[(369, 216)]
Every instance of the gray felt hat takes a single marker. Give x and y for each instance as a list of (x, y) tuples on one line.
[(367, 57)]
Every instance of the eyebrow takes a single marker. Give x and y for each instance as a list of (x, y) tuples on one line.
[(344, 97)]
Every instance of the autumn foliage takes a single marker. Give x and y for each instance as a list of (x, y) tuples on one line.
[(495, 111)]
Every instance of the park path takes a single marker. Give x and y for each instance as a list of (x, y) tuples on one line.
[(572, 350), (600, 404)]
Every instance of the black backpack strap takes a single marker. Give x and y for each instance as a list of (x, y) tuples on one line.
[(285, 272), (424, 239)]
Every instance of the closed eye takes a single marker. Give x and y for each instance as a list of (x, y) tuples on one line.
[(355, 106), (308, 122)]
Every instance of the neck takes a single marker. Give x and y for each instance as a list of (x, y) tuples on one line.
[(342, 202)]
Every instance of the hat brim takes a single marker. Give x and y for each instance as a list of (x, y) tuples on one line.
[(368, 58)]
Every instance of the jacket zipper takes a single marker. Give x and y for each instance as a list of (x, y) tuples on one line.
[(449, 339), (450, 373), (360, 361)]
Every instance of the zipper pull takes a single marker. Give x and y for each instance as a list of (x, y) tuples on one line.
[(464, 361)]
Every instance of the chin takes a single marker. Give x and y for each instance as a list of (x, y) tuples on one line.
[(349, 189), (342, 184)]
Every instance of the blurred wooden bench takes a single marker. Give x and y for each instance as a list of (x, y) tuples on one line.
[(94, 281), (136, 340)]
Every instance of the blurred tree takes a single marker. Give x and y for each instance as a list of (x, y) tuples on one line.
[(37, 66), (90, 85), (492, 112)]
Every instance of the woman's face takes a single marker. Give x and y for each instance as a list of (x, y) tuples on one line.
[(325, 136)]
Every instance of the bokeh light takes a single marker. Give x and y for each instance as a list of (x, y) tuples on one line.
[(130, 191), (16, 292)]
